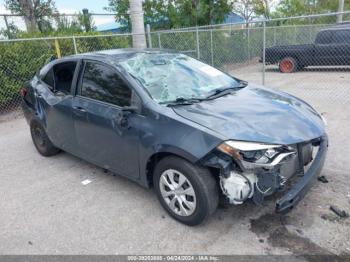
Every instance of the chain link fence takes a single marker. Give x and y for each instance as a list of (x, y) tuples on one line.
[(306, 56)]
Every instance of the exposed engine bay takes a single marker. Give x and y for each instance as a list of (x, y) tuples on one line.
[(254, 171)]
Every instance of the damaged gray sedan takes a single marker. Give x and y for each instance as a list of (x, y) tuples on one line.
[(168, 121)]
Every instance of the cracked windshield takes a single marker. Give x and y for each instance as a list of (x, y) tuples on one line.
[(169, 77)]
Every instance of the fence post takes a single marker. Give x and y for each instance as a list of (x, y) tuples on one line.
[(211, 47), (248, 40), (197, 43), (75, 45), (57, 47), (7, 27), (263, 54), (148, 30), (159, 43), (274, 35)]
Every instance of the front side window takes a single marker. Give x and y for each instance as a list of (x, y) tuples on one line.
[(170, 76), (342, 36), (101, 82)]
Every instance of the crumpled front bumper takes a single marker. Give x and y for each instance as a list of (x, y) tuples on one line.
[(299, 190)]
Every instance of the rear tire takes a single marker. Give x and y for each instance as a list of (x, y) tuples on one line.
[(41, 141), (187, 192), (288, 65)]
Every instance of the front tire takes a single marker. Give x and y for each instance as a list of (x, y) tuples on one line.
[(41, 140), (187, 192)]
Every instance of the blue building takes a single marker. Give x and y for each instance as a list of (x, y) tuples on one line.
[(113, 27), (233, 18)]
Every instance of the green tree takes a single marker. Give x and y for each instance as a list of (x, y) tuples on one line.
[(251, 9), (35, 13), (11, 30), (68, 26), (287, 8), (174, 13)]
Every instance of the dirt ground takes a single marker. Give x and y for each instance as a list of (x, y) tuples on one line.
[(45, 209)]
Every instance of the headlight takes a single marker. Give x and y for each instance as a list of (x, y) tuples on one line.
[(251, 155)]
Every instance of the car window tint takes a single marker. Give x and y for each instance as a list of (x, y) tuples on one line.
[(342, 36), (102, 83), (324, 37), (49, 79)]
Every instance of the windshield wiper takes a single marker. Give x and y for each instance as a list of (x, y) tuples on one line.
[(182, 101), (223, 91)]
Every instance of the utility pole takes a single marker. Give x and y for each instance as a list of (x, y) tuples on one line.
[(138, 28), (340, 10)]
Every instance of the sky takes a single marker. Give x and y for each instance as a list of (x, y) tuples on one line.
[(95, 6), (74, 6)]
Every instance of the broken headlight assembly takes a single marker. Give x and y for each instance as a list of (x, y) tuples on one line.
[(257, 162), (250, 155)]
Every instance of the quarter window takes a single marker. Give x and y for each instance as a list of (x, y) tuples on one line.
[(102, 83), (49, 79)]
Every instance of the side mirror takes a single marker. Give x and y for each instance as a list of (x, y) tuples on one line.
[(130, 109), (122, 118)]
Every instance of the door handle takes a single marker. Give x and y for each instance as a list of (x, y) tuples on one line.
[(79, 108)]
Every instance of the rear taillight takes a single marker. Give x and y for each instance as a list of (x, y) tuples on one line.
[(23, 92)]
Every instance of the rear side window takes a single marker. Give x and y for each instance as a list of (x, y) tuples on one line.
[(60, 77), (324, 37), (341, 36), (102, 83)]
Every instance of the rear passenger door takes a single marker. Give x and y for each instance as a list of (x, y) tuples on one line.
[(54, 101), (102, 94)]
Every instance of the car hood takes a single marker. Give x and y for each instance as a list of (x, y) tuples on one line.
[(257, 114)]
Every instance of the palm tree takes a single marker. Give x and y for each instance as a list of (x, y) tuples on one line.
[(138, 28)]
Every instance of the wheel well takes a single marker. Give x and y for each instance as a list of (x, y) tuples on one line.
[(154, 159), (35, 122), (152, 162)]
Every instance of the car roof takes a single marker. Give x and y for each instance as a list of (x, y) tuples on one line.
[(117, 55), (342, 26)]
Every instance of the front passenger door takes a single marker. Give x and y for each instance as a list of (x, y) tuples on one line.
[(325, 50), (101, 138), (341, 41)]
